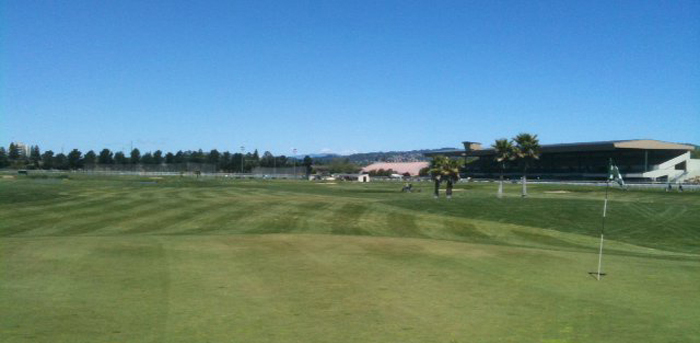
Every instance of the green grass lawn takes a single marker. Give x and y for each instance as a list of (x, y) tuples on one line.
[(184, 260)]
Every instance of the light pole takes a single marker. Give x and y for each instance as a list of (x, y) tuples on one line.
[(242, 150), (294, 156)]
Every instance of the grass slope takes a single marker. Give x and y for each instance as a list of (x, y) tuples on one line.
[(182, 260)]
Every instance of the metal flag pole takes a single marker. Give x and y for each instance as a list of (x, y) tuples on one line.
[(602, 229)]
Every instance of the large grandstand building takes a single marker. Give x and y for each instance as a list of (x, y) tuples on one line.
[(642, 159)]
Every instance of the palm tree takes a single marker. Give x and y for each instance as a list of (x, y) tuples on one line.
[(527, 147), (504, 152), (444, 169)]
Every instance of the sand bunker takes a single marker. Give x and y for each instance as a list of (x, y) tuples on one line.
[(557, 192)]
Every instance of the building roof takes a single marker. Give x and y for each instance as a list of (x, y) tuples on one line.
[(412, 168), (643, 144)]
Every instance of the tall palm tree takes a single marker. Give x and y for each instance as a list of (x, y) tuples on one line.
[(444, 169), (505, 151), (451, 175), (527, 148)]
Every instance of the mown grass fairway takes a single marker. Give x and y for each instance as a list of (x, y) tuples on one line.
[(186, 260)]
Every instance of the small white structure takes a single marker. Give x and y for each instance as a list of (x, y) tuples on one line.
[(353, 177)]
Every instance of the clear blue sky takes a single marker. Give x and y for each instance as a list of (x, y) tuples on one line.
[(345, 76)]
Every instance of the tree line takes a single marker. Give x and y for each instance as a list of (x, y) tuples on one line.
[(225, 161)]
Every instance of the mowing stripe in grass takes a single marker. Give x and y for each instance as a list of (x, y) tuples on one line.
[(463, 231), (222, 219), (118, 213), (289, 216), (88, 219), (404, 224), (53, 217), (190, 218), (346, 219), (31, 210), (268, 212), (166, 220)]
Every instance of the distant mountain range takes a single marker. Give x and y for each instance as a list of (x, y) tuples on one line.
[(380, 156)]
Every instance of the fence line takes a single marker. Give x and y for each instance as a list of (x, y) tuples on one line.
[(632, 185)]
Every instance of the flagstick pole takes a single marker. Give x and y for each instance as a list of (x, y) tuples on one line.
[(602, 229)]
